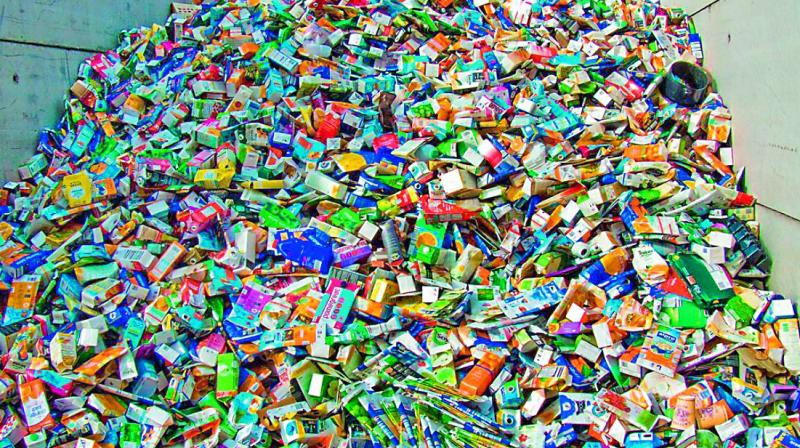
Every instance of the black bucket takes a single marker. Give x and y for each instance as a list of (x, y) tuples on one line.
[(685, 84)]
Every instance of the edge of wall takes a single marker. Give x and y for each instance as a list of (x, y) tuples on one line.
[(42, 44), (747, 44)]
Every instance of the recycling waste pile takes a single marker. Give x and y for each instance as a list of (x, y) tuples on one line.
[(456, 223)]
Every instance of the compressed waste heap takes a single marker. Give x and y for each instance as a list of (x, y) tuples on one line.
[(458, 223)]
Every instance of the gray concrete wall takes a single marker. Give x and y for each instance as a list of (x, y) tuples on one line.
[(42, 42), (751, 48)]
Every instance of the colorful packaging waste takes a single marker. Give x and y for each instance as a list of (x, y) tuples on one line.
[(458, 223)]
